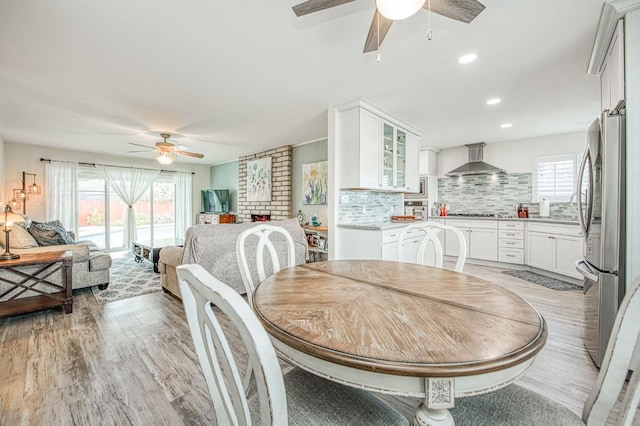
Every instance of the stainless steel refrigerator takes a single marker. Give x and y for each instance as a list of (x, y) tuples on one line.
[(601, 210)]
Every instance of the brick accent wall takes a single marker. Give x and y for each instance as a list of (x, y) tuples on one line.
[(280, 205)]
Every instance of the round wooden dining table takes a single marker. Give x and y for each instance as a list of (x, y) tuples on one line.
[(401, 329)]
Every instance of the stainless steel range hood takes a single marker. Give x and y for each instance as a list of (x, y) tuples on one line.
[(475, 165)]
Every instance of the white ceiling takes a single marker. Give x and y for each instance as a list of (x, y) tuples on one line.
[(236, 77)]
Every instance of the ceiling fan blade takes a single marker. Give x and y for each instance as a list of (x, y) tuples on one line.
[(312, 6), (190, 154), (146, 150), (460, 10), (144, 146), (373, 41)]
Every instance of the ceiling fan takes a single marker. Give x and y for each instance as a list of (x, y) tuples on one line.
[(166, 150), (389, 10)]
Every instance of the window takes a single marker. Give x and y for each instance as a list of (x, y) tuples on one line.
[(556, 177)]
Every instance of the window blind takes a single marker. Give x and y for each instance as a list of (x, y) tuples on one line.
[(556, 177)]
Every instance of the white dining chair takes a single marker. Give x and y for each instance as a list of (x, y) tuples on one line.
[(260, 239), (297, 398), (430, 251), (517, 405)]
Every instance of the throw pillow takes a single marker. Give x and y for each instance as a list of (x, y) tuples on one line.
[(50, 233), (19, 238)]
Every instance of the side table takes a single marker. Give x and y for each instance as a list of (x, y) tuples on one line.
[(150, 250), (32, 274)]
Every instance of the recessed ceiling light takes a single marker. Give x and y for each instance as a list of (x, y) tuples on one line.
[(493, 101), (506, 125), (468, 58)]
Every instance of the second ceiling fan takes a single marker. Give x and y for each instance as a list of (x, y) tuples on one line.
[(460, 10)]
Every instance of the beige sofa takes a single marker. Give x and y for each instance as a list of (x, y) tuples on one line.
[(214, 248), (90, 264)]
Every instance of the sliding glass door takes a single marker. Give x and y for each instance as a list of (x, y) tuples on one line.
[(101, 212)]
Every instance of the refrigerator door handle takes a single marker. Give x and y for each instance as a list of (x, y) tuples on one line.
[(583, 267), (584, 225)]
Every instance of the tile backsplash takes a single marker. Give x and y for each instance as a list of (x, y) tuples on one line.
[(486, 194), (495, 194), (356, 207)]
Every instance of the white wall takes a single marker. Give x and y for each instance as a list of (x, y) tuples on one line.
[(3, 198), (20, 158), (516, 156), (632, 89)]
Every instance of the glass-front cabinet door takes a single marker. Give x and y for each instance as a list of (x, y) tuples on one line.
[(388, 150), (394, 150), (401, 165)]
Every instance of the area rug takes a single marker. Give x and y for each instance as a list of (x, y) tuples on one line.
[(128, 279), (551, 283)]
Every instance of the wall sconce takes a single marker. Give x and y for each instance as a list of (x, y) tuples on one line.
[(33, 189), (8, 219)]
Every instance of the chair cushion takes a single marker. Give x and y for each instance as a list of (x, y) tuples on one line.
[(312, 400), (50, 233), (99, 261), (19, 238), (512, 405)]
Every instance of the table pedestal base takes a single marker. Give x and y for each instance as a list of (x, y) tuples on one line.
[(432, 417)]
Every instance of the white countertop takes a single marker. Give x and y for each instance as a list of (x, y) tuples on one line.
[(381, 226), (513, 219)]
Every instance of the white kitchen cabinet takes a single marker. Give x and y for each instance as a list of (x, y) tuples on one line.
[(428, 162), (481, 237), (412, 173), (360, 150), (612, 71), (541, 251), (374, 150), (377, 244), (568, 250), (511, 242), (554, 248), (399, 162)]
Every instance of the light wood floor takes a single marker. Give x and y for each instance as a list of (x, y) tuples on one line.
[(131, 362)]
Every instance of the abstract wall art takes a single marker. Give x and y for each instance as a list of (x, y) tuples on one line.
[(259, 179), (314, 182)]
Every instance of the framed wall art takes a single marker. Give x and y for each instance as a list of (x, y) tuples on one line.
[(314, 182), (259, 179)]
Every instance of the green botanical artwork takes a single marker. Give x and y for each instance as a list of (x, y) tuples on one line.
[(314, 182), (259, 179)]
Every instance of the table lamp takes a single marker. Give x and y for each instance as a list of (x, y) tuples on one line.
[(7, 220)]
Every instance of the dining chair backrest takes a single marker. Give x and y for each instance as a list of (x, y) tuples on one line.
[(299, 397), (201, 292), (518, 405), (622, 355), (261, 237), (430, 251)]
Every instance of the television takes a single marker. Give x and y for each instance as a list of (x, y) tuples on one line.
[(215, 200)]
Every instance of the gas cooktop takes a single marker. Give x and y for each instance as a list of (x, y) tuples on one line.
[(503, 216)]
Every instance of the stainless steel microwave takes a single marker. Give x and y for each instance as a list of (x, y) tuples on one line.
[(423, 193)]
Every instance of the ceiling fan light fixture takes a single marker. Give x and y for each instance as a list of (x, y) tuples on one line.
[(165, 157), (398, 9)]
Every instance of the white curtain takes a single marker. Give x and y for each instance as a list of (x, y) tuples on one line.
[(183, 203), (61, 193), (129, 184)]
